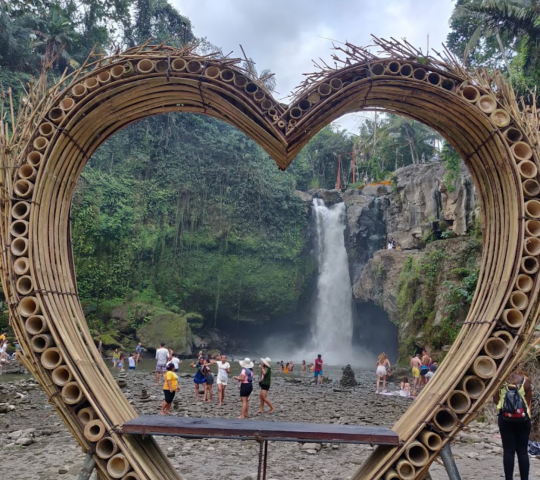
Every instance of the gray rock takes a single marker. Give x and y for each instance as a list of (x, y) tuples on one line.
[(24, 441)]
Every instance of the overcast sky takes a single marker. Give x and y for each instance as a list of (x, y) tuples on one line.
[(285, 35)]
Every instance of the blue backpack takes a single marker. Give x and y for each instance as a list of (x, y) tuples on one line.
[(249, 374)]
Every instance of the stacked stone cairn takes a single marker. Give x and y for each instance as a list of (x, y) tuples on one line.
[(348, 379)]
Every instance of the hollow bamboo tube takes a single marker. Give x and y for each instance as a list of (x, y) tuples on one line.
[(194, 66), (179, 64), (117, 72), (21, 210), (21, 266), (118, 466), (227, 75), (36, 324), (529, 265), (295, 113), (19, 246), (259, 96), (86, 415), (272, 112), (473, 386), (500, 117), (419, 74), (470, 93), (377, 69), (527, 169), (406, 70), (51, 358), (506, 336), (486, 103), (162, 66), (41, 143), (431, 440), (434, 78), (445, 419), (518, 300), (459, 401), (393, 68), (266, 104), (42, 342), (67, 104), (531, 188), (46, 129), (91, 84), (532, 208), (417, 454), (27, 172), (281, 124), (240, 81), (25, 285), (304, 104), (79, 91), (325, 89), (484, 367), (145, 66), (19, 228), (94, 431), (106, 448), (129, 70), (251, 88), (29, 306), (448, 84), (56, 116), (314, 97), (405, 469), (522, 151), (512, 135), (133, 476), (524, 283), (391, 475), (23, 188), (495, 347), (104, 77), (34, 158), (512, 317), (61, 375), (532, 246), (72, 393), (336, 84)]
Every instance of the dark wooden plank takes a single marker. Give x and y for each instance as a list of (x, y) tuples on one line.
[(259, 430)]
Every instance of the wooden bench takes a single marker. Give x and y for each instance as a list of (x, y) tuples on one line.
[(260, 431)]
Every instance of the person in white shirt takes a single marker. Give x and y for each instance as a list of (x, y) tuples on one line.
[(224, 368), (131, 362), (176, 361), (162, 355)]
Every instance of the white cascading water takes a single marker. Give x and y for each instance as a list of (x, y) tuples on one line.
[(333, 327)]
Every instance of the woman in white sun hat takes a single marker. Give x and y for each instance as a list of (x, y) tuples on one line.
[(266, 378), (246, 384)]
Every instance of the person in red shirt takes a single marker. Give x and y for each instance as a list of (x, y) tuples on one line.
[(318, 370)]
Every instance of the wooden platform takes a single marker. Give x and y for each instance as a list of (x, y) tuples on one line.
[(259, 430)]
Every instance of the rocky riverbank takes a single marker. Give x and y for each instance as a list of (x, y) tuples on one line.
[(31, 434)]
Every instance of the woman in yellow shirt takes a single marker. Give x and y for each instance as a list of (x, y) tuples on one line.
[(170, 387)]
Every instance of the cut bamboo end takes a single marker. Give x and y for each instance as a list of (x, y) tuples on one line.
[(25, 285), (227, 75), (336, 84), (94, 431), (41, 342), (131, 476), (486, 103), (527, 169), (36, 324), (23, 188), (281, 124), (448, 84), (273, 112), (34, 158), (72, 393), (56, 115), (118, 466), (51, 358), (518, 300), (325, 89), (266, 104), (251, 88), (61, 375), (117, 72), (532, 208), (531, 188), (19, 246), (532, 246), (405, 469), (378, 69), (145, 66), (91, 84), (419, 74), (104, 77), (20, 210), (459, 401), (473, 386), (19, 228), (162, 66), (522, 151), (27, 172), (512, 135), (484, 367), (179, 64), (67, 103), (434, 78), (46, 129), (470, 93), (391, 475), (129, 70), (524, 283), (500, 118), (106, 448), (417, 454), (304, 105), (431, 440), (240, 81), (495, 347), (445, 419), (314, 98), (86, 415), (194, 66), (41, 143), (529, 265), (79, 91), (21, 266), (295, 113), (505, 335), (406, 70), (512, 318), (259, 96), (393, 68)]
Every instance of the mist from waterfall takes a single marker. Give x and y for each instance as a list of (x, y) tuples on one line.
[(332, 328)]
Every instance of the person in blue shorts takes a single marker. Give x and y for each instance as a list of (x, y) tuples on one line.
[(318, 370)]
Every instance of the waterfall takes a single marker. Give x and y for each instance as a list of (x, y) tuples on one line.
[(333, 327)]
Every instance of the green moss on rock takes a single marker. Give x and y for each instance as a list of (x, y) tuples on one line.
[(171, 328)]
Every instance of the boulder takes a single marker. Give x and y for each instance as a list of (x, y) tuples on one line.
[(171, 328)]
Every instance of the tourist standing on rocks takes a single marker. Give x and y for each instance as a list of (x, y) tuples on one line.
[(405, 387), (115, 357), (246, 385), (304, 366), (426, 362), (416, 365), (170, 387), (138, 349), (131, 362), (162, 355), (513, 402), (120, 363), (209, 385), (381, 364), (176, 362), (199, 378), (264, 384), (224, 368), (318, 372)]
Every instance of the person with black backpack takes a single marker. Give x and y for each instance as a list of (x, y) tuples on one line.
[(513, 402), (246, 384)]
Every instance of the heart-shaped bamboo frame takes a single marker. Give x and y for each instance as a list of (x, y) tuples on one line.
[(60, 128)]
